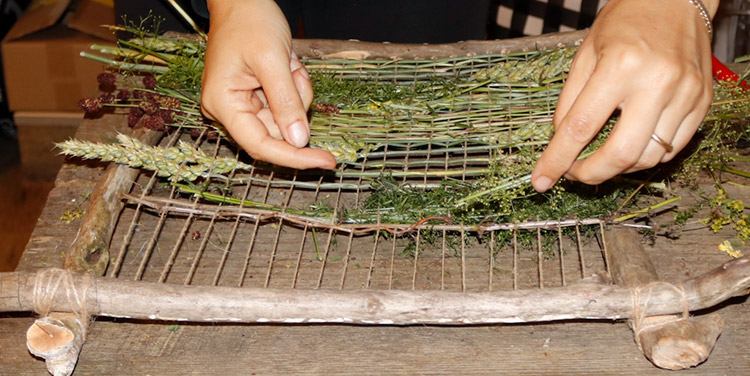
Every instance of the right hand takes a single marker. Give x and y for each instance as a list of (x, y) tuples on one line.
[(256, 87)]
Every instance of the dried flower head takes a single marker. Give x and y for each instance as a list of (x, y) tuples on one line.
[(123, 95), (211, 135), (149, 81), (169, 102), (167, 115), (155, 123), (106, 79), (326, 108), (139, 94), (106, 97), (134, 116), (90, 105), (148, 106)]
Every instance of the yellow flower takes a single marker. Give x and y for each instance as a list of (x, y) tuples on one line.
[(736, 206), (727, 247)]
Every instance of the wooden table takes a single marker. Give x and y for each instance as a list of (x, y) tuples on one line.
[(128, 347)]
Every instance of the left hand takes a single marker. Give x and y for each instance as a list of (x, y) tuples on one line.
[(650, 59)]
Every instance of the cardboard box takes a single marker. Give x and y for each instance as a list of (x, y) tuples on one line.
[(43, 69)]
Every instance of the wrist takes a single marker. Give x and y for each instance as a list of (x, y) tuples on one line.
[(712, 6)]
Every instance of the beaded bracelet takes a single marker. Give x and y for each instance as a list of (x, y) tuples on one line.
[(704, 14)]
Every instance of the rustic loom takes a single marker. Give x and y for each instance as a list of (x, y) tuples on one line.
[(167, 257)]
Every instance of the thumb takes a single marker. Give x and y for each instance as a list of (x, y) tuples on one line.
[(284, 100)]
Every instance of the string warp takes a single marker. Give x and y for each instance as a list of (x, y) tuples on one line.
[(49, 281), (641, 304)]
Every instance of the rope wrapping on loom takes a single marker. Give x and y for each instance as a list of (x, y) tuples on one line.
[(641, 297), (49, 281)]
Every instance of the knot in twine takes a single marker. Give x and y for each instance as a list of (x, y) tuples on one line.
[(641, 297), (46, 286)]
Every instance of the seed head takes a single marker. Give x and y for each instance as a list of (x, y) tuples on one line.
[(149, 81), (327, 108), (123, 95), (154, 123), (106, 97), (134, 116), (211, 135), (167, 115), (107, 81), (169, 102), (90, 105), (148, 106)]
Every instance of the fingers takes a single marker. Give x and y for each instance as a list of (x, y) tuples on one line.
[(591, 109), (302, 81), (286, 103), (627, 142), (217, 93), (251, 135), (580, 71), (304, 87)]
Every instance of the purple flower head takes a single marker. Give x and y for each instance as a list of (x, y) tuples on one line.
[(134, 116), (167, 115), (90, 105), (154, 123), (148, 106), (149, 81), (123, 95), (106, 97), (169, 102)]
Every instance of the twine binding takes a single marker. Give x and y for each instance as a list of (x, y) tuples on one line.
[(641, 304), (49, 281)]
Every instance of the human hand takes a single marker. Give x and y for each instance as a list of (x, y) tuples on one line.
[(651, 60), (256, 87)]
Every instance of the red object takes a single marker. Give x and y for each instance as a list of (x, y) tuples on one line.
[(722, 73)]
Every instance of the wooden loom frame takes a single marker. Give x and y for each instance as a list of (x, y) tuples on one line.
[(629, 268)]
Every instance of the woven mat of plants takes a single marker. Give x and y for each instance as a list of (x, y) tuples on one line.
[(442, 144)]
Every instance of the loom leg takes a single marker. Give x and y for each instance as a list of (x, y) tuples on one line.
[(57, 338), (680, 344), (669, 341)]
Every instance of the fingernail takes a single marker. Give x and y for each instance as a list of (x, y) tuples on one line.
[(299, 134), (543, 183)]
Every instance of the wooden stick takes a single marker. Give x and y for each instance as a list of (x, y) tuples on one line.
[(668, 341), (56, 338), (90, 249), (629, 265), (336, 49), (159, 301), (352, 49)]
